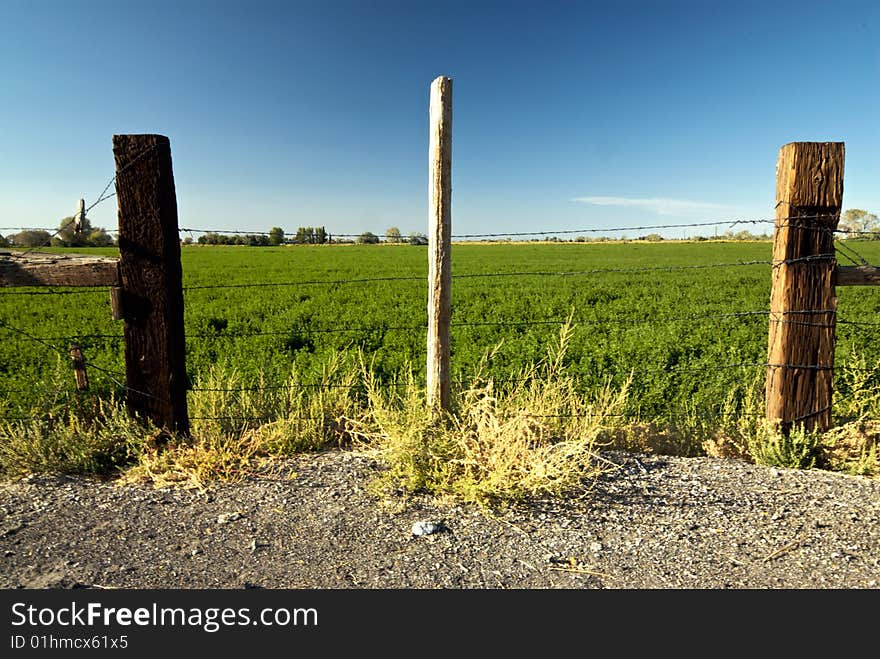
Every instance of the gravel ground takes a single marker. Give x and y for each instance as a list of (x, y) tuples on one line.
[(654, 522)]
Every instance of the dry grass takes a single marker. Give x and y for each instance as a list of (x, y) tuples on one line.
[(853, 448), (238, 430), (93, 437), (534, 436)]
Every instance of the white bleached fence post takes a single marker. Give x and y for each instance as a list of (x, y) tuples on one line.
[(439, 243)]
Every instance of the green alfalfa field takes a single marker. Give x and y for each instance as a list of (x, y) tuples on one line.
[(653, 345)]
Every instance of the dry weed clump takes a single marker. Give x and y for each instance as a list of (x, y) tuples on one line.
[(534, 434)]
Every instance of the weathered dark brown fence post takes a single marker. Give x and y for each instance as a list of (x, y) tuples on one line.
[(79, 368), (151, 281), (439, 243), (803, 302)]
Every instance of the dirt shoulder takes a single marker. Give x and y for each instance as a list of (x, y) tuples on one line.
[(652, 522)]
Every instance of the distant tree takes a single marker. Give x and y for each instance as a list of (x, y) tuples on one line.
[(310, 236), (276, 236), (368, 238), (860, 220), (392, 235), (87, 235), (100, 238), (67, 236), (214, 238), (418, 239), (4, 242), (303, 235), (188, 240), (34, 238), (256, 240)]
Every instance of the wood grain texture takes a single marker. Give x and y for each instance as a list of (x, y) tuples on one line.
[(809, 192), (79, 368), (151, 281), (439, 244), (857, 275), (57, 270)]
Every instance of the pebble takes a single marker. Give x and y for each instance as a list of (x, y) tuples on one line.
[(225, 518), (426, 528)]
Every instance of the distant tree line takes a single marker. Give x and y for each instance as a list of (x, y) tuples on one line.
[(251, 239), (65, 236), (275, 237), (306, 235), (855, 223)]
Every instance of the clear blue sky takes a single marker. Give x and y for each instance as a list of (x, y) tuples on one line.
[(566, 115)]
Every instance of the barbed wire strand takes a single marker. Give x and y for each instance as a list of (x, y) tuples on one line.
[(793, 222), (617, 320), (548, 232), (101, 197), (849, 252)]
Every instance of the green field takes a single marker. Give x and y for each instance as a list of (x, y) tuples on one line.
[(686, 321)]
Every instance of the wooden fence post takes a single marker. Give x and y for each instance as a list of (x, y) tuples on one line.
[(803, 302), (79, 368), (151, 281), (439, 243)]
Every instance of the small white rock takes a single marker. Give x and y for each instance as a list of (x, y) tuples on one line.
[(426, 528), (225, 518)]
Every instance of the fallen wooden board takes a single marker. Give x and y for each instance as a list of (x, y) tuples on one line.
[(41, 269)]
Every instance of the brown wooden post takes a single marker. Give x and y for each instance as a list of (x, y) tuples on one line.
[(151, 281), (116, 303), (803, 302), (79, 368), (439, 243)]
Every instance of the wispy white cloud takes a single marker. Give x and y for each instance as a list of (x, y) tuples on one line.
[(660, 206)]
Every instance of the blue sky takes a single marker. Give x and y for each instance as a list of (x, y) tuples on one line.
[(566, 115)]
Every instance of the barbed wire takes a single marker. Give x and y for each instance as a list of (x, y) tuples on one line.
[(493, 235), (574, 321), (101, 198), (795, 221), (114, 376), (50, 290), (79, 337), (474, 275), (858, 323), (650, 227), (792, 222), (849, 252), (108, 373), (539, 273), (478, 382), (548, 232)]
